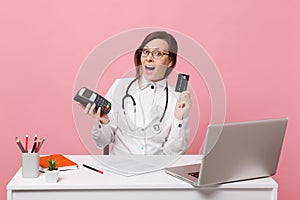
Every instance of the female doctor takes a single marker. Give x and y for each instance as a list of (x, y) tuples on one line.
[(147, 115)]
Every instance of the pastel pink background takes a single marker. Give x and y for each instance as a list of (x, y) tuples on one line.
[(255, 45)]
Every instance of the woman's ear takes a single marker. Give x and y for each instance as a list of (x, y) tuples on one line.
[(170, 63)]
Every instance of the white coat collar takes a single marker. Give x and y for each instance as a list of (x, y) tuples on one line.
[(144, 83)]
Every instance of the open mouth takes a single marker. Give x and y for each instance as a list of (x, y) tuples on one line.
[(148, 67)]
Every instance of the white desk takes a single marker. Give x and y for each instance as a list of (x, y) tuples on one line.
[(87, 184)]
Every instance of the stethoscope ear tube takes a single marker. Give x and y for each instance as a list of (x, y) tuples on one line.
[(166, 104), (127, 96)]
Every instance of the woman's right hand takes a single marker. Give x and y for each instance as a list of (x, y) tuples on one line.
[(89, 109)]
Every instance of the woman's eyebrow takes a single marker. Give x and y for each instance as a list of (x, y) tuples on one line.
[(157, 48)]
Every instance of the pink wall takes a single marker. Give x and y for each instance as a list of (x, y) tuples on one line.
[(43, 43)]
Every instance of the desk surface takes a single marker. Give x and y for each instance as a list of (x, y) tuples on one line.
[(84, 179)]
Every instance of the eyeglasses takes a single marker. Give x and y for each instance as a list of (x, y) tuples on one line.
[(157, 54)]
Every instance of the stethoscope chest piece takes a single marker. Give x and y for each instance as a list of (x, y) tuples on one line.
[(156, 127)]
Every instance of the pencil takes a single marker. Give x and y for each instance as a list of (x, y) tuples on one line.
[(20, 145), (94, 169), (26, 143), (38, 146), (34, 144), (42, 142)]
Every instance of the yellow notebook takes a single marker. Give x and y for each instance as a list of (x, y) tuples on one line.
[(63, 163)]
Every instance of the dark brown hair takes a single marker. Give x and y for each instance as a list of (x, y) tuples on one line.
[(173, 48)]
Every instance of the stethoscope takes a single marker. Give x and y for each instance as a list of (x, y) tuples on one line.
[(156, 126)]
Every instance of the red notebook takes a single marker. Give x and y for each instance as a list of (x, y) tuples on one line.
[(63, 163)]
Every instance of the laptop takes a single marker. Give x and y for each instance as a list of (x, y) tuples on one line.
[(236, 151)]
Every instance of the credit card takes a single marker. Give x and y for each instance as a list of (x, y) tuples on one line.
[(182, 82)]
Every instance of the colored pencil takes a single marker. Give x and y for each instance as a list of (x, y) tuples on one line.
[(34, 144), (94, 169), (26, 143), (20, 145), (38, 146), (42, 142)]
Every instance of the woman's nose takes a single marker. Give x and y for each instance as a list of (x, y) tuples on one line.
[(149, 57)]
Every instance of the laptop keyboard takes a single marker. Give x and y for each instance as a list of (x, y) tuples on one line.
[(194, 174)]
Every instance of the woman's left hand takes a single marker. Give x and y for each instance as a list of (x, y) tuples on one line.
[(183, 105)]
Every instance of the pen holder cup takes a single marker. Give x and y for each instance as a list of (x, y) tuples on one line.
[(30, 165)]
